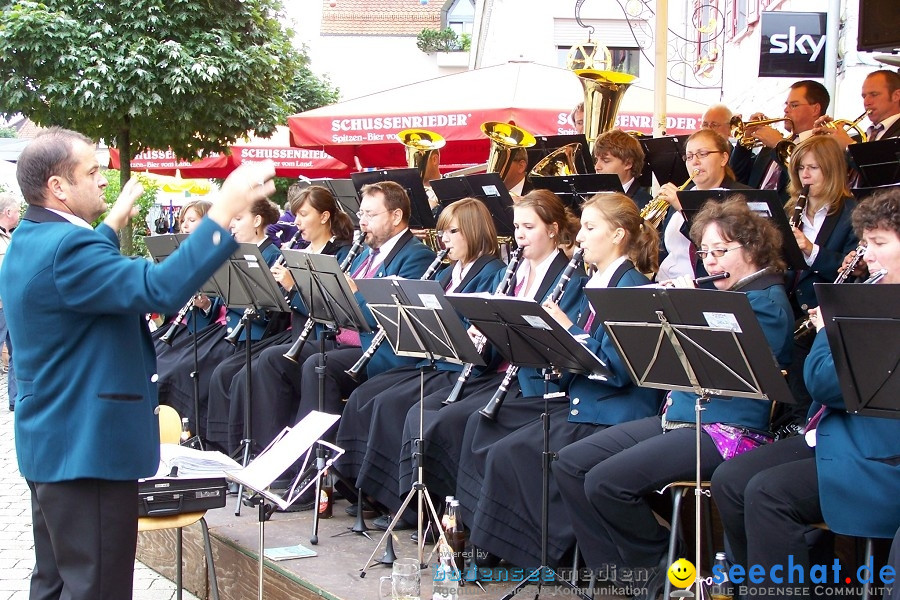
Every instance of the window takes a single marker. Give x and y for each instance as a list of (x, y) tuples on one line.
[(741, 14), (460, 16), (625, 60)]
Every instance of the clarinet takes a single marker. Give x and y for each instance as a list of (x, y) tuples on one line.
[(502, 289), (177, 322), (293, 353), (799, 207), (381, 335), (492, 408), (235, 334), (806, 326)]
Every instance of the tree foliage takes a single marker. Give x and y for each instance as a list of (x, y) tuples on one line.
[(443, 40), (307, 90), (193, 75)]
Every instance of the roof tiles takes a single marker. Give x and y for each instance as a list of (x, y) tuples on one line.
[(379, 17)]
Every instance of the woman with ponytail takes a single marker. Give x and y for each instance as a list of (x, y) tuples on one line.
[(620, 248)]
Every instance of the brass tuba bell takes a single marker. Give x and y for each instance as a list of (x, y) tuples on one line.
[(505, 139), (420, 143), (603, 92), (559, 162)]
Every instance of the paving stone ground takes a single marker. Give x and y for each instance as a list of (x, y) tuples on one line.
[(17, 556)]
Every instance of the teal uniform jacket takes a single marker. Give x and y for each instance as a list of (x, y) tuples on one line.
[(857, 457), (84, 357)]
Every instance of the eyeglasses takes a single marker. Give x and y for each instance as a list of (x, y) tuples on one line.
[(442, 232), (368, 216), (716, 253), (700, 153), (795, 105)]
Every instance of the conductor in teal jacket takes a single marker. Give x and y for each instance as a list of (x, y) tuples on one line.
[(85, 423)]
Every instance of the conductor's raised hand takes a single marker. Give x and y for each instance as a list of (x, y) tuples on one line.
[(248, 183), (124, 208)]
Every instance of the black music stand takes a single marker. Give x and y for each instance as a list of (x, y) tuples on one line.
[(487, 187), (665, 157), (862, 193), (246, 282), (329, 301), (160, 247), (344, 192), (546, 144), (573, 190), (766, 203), (274, 460), (527, 336), (878, 162), (418, 322), (420, 216), (707, 342), (854, 316)]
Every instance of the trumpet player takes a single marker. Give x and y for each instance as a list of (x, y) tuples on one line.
[(807, 100), (881, 101)]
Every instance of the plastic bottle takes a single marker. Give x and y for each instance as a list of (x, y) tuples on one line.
[(326, 497), (725, 589), (446, 577)]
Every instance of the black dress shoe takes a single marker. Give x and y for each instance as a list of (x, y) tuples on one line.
[(430, 536), (655, 581), (368, 513), (384, 521), (484, 559)]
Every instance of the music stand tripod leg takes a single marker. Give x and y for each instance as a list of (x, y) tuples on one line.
[(247, 442), (419, 490)]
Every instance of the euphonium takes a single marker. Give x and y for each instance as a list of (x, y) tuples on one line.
[(502, 289), (505, 139), (492, 408), (381, 334), (655, 211), (603, 92), (420, 143), (293, 352), (559, 162)]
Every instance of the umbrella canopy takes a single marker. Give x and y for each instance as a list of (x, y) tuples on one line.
[(535, 97), (289, 162)]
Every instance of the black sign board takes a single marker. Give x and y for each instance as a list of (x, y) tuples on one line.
[(792, 45)]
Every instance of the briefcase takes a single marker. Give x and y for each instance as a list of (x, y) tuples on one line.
[(163, 496)]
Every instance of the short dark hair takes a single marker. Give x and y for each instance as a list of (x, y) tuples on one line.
[(760, 239), (47, 155), (881, 210), (891, 78), (623, 146), (394, 196), (815, 93), (266, 210)]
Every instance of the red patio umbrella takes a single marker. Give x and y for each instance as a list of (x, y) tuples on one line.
[(537, 98), (289, 161)]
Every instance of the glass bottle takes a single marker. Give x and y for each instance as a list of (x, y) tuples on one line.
[(456, 536), (725, 589), (326, 497), (185, 430), (446, 578)]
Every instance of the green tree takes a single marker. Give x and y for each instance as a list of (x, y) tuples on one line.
[(193, 75), (7, 132), (307, 90)]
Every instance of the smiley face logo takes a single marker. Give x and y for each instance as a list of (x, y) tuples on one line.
[(682, 573)]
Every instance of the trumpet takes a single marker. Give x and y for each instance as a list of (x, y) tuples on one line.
[(492, 408), (381, 335), (739, 130), (655, 211), (293, 352), (806, 325), (502, 289), (235, 334), (847, 125)]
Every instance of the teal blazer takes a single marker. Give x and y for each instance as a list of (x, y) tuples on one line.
[(84, 357)]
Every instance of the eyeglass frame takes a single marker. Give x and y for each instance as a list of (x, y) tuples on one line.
[(360, 214), (453, 230), (687, 156), (715, 252)]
